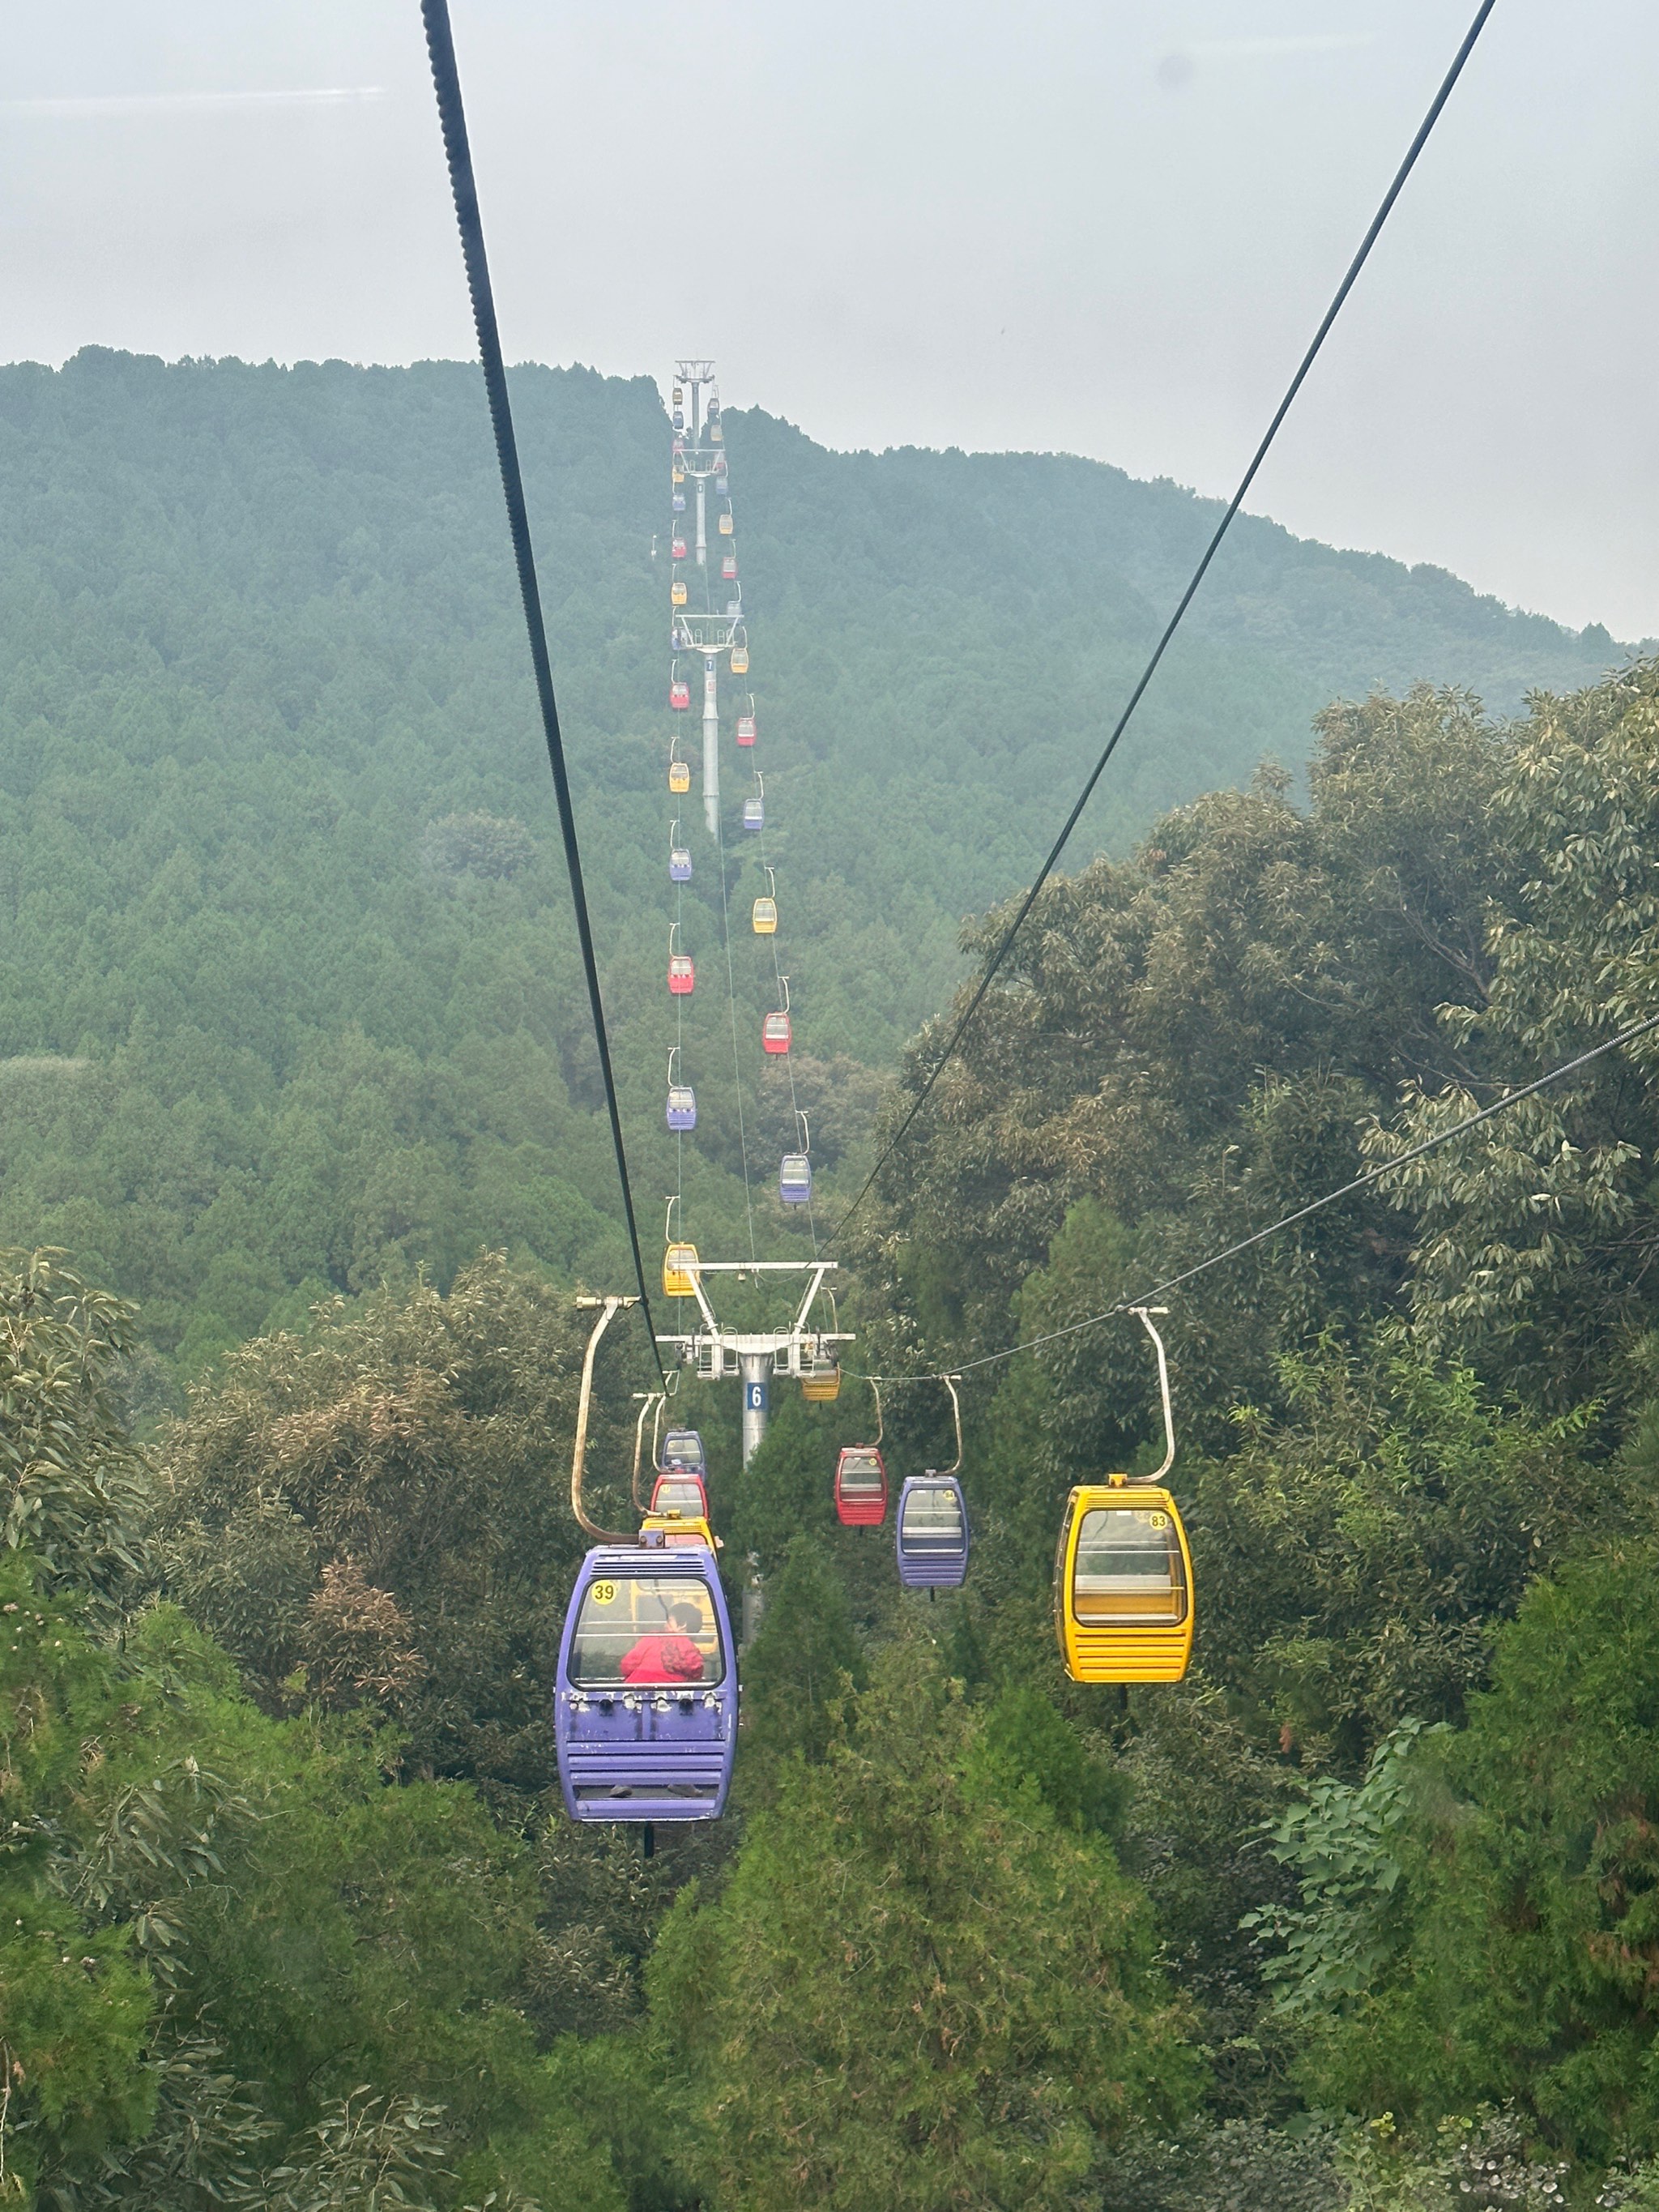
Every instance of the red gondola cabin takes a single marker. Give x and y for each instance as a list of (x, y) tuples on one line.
[(677, 1492), (861, 1487)]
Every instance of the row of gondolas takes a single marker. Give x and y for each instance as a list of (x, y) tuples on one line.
[(647, 1711), (795, 1170)]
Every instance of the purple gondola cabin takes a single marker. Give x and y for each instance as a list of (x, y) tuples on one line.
[(683, 1449), (933, 1535), (645, 1711)]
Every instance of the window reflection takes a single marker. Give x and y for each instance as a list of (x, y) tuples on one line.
[(644, 1631), (1129, 1569)]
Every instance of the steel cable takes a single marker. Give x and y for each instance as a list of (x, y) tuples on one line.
[(1185, 601), (1285, 1221), (736, 1060), (452, 116), (788, 1060)]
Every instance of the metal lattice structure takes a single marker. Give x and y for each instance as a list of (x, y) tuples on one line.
[(802, 1353)]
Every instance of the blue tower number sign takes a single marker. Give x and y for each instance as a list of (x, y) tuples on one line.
[(754, 1397)]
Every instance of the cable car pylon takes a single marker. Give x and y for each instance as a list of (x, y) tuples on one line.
[(699, 475), (754, 1356), (698, 459)]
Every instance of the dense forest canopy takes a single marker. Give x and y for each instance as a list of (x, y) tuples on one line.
[(290, 1001), (1357, 1917)]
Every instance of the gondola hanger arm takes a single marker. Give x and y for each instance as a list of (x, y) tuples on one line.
[(951, 1383), (1145, 1315), (609, 1308), (815, 1284), (651, 1398)]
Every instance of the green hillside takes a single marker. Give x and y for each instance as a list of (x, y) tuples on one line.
[(276, 1016), (1357, 1915)]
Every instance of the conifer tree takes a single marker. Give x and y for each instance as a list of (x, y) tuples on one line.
[(921, 1989)]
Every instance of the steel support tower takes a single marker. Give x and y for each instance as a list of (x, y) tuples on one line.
[(754, 1356), (706, 634)]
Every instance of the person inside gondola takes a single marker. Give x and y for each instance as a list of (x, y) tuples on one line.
[(669, 1655)]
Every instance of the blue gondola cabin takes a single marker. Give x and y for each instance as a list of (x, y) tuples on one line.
[(933, 1536)]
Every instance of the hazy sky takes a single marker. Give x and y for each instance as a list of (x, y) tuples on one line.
[(1107, 226)]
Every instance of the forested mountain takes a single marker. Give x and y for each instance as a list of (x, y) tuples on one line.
[(289, 1003), (1356, 1918)]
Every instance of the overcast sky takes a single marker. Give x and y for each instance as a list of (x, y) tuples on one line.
[(1105, 226)]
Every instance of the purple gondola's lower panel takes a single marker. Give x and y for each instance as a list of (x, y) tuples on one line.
[(931, 1533), (646, 1712)]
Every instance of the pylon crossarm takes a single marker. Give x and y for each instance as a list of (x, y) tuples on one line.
[(820, 1269)]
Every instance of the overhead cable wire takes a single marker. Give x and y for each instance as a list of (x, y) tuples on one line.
[(1006, 943), (452, 115), (1286, 1221), (789, 1061), (726, 903), (737, 1059), (677, 1059)]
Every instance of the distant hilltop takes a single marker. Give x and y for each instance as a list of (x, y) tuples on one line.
[(289, 999)]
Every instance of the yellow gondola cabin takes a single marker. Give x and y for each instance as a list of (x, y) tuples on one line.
[(673, 1530), (1123, 1584)]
